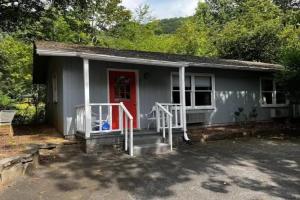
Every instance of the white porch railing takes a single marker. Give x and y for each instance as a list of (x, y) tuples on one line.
[(164, 117), (106, 113), (176, 111)]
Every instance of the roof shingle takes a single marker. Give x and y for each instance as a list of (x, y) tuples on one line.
[(192, 60)]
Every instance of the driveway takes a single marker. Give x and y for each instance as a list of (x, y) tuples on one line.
[(240, 169)]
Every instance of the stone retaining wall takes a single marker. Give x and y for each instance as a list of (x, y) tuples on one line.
[(14, 167)]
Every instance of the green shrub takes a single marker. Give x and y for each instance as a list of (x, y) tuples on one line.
[(6, 102)]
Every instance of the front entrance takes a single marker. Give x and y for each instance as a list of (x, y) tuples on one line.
[(122, 88)]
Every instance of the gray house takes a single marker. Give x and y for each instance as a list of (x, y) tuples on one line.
[(99, 93)]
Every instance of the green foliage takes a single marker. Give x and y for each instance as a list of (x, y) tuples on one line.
[(19, 15), (290, 77), (253, 34), (16, 65), (191, 39), (287, 4), (5, 102), (170, 26), (28, 114)]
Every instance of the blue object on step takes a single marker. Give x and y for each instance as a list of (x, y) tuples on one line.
[(105, 126)]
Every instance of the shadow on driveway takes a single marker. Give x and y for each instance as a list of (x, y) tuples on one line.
[(242, 169)]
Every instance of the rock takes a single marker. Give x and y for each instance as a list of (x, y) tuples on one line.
[(48, 146)]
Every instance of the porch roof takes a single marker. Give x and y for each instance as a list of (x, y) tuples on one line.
[(46, 48)]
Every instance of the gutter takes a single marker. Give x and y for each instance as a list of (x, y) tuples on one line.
[(234, 67), (110, 58)]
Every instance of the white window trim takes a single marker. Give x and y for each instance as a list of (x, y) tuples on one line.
[(54, 88), (193, 107), (273, 95)]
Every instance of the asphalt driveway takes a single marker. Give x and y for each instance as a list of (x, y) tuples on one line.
[(241, 169)]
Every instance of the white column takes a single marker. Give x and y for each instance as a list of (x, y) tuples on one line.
[(87, 107), (182, 99)]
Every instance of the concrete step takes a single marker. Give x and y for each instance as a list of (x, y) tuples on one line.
[(151, 139), (143, 149)]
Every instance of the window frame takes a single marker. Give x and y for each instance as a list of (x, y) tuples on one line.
[(274, 92), (54, 88), (193, 91)]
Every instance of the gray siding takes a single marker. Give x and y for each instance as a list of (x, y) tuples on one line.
[(234, 89), (73, 91)]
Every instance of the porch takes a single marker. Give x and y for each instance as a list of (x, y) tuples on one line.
[(120, 118)]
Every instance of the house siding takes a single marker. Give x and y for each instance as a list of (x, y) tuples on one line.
[(233, 89)]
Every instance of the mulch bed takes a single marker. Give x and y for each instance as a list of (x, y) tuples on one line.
[(11, 145), (260, 130)]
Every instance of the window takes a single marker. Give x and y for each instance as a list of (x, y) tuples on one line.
[(122, 88), (199, 91), (203, 91), (272, 94)]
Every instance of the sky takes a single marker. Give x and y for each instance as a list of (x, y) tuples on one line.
[(161, 9)]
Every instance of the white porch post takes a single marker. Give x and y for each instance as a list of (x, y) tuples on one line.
[(182, 99), (87, 107)]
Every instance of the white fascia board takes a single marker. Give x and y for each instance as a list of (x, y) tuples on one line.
[(45, 52), (235, 67), (109, 58), (121, 59)]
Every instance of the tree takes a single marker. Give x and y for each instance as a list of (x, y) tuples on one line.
[(192, 39), (17, 15), (77, 21), (287, 4), (218, 12), (253, 34), (143, 14), (290, 58), (169, 26), (15, 70)]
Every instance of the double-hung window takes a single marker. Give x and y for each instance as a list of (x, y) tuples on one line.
[(199, 91), (272, 94)]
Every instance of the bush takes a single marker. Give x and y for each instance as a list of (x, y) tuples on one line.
[(6, 102)]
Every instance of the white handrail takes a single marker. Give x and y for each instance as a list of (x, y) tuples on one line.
[(128, 116), (123, 112), (126, 111), (164, 109), (104, 104), (161, 108)]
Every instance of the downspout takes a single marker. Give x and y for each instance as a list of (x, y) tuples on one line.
[(182, 101)]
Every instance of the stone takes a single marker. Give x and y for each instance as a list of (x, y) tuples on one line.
[(11, 173), (14, 167)]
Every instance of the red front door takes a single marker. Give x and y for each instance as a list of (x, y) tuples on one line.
[(122, 88)]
